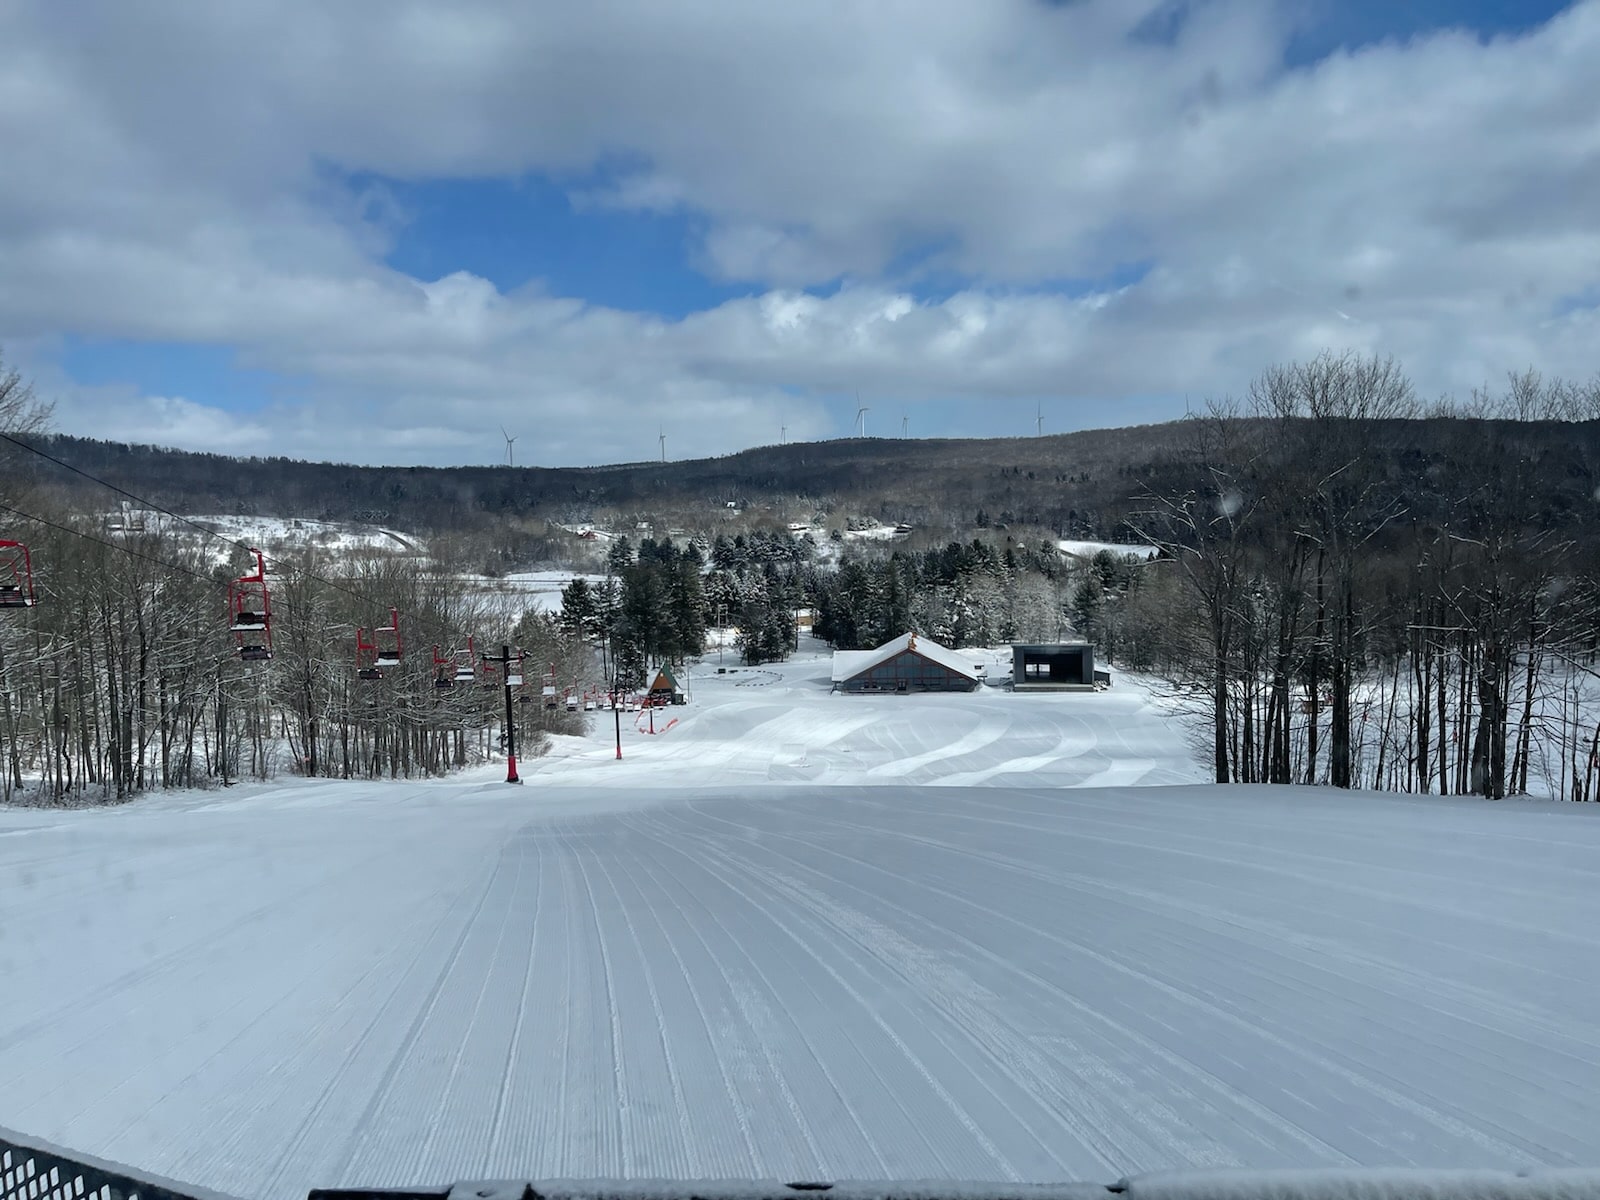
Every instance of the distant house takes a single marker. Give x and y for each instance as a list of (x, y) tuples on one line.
[(909, 663)]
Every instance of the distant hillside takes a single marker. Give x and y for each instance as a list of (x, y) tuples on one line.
[(1075, 484), (1034, 480)]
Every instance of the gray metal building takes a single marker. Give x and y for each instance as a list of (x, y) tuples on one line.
[(1054, 667)]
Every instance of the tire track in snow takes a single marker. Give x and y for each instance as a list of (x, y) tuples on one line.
[(409, 1040), (267, 1010), (419, 1151), (685, 1162), (1453, 1126), (619, 1073), (1032, 929), (291, 1150), (503, 1103), (959, 1111), (119, 984), (893, 1094), (115, 995), (1404, 980), (741, 1113), (970, 1021), (970, 1009), (1120, 1085), (1338, 869), (757, 1017), (1333, 878)]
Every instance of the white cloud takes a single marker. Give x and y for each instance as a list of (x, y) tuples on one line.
[(167, 177)]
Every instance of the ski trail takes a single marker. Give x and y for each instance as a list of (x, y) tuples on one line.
[(727, 1165), (614, 1015), (498, 1163), (413, 1033), (1363, 1083), (683, 1157), (1017, 1057), (911, 1057), (757, 1018)]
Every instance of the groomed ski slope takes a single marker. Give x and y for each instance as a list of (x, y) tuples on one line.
[(699, 963)]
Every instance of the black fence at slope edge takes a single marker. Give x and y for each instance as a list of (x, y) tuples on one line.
[(31, 1169)]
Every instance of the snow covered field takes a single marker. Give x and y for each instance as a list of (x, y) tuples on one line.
[(538, 591), (725, 956), (1082, 549), (335, 536)]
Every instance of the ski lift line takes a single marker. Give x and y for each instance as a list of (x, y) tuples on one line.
[(89, 537), (388, 654), (226, 585), (154, 507)]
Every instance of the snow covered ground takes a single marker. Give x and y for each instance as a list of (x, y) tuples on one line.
[(535, 590), (294, 531), (779, 723), (1082, 549), (725, 956)]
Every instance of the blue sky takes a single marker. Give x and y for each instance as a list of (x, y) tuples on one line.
[(555, 226)]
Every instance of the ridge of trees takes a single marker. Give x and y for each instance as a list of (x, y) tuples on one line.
[(1353, 604)]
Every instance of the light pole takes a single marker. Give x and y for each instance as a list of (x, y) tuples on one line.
[(617, 712), (505, 660)]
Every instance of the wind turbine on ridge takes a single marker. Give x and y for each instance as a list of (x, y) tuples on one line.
[(511, 441)]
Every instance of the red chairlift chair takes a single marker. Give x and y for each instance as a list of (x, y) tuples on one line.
[(387, 639), (16, 576), (444, 670), (250, 612), (366, 657)]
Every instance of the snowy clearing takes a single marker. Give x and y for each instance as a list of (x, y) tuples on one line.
[(1082, 549), (536, 591), (781, 724), (724, 957), (335, 536)]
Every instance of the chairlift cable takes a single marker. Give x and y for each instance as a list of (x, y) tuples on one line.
[(128, 550), (151, 506), (154, 507)]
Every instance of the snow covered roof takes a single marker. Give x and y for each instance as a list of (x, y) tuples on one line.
[(849, 663)]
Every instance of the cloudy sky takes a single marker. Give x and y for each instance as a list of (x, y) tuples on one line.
[(379, 231)]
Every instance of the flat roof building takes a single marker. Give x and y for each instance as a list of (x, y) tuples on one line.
[(1053, 667)]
